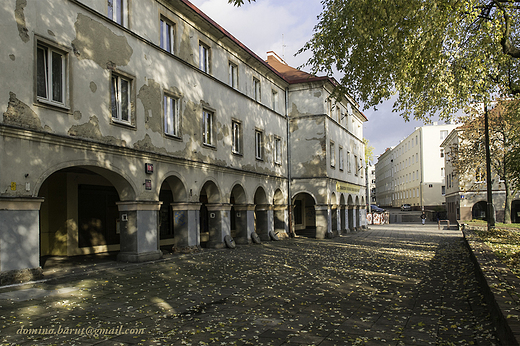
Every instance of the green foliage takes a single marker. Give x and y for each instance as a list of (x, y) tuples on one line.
[(437, 56), (369, 151)]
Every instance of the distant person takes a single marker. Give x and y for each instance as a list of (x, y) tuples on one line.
[(423, 218)]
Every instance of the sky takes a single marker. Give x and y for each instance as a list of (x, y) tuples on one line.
[(284, 26)]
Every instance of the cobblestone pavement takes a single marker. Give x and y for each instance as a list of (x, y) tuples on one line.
[(390, 285)]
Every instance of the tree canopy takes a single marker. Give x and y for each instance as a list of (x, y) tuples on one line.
[(436, 56)]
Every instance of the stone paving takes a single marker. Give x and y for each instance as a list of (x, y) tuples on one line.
[(390, 285)]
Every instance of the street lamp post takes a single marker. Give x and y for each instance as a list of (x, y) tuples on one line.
[(489, 183)]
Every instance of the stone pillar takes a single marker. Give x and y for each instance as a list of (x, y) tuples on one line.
[(139, 227), (322, 218), (244, 222), (363, 217), (263, 213), (351, 218), (20, 239), (281, 221), (219, 224), (334, 219), (186, 219), (343, 219)]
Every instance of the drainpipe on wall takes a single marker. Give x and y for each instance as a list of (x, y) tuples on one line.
[(289, 199)]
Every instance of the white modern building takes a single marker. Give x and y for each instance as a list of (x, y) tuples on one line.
[(412, 172)]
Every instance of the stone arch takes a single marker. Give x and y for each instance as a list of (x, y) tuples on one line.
[(209, 195), (80, 213), (262, 213), (479, 210), (238, 214), (124, 185), (304, 214), (171, 192)]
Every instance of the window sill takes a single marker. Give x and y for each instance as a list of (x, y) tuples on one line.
[(173, 137), (53, 106), (209, 146), (122, 124), (237, 153)]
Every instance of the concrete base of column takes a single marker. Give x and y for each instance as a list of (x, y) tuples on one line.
[(139, 257)]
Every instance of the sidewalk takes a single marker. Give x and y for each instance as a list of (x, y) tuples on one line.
[(391, 285)]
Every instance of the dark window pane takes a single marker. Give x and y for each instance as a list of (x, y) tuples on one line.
[(113, 97), (41, 72), (57, 77), (125, 86)]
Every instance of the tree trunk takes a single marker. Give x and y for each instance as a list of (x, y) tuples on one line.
[(507, 206)]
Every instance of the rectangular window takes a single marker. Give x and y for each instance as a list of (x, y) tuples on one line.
[(361, 167), (442, 152), (340, 158), (443, 190), (120, 98), (256, 89), (204, 57), (442, 171), (207, 127), (258, 144), (118, 11), (171, 116), (332, 155), (236, 134), (349, 164), (274, 99), (167, 35), (233, 75), (278, 150), (357, 166), (444, 134), (51, 75)]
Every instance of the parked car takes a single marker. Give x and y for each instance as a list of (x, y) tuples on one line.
[(376, 209), (406, 207)]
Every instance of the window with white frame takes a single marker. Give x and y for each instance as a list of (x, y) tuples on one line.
[(51, 75), (444, 134), (233, 75), (349, 164), (207, 127), (278, 150), (120, 89), (256, 89), (340, 158), (259, 144), (171, 116), (204, 57), (274, 99), (236, 137), (118, 11), (167, 35), (332, 155)]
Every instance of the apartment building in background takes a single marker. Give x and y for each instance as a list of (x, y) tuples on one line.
[(412, 172)]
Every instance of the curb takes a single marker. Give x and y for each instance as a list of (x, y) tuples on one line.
[(501, 289)]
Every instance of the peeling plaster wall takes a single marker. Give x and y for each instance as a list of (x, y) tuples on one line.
[(95, 48)]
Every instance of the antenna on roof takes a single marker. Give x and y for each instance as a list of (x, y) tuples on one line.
[(283, 48)]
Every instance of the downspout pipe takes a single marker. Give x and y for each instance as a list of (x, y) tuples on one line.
[(289, 177)]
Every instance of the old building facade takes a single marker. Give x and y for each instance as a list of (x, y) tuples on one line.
[(466, 197), (131, 125)]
